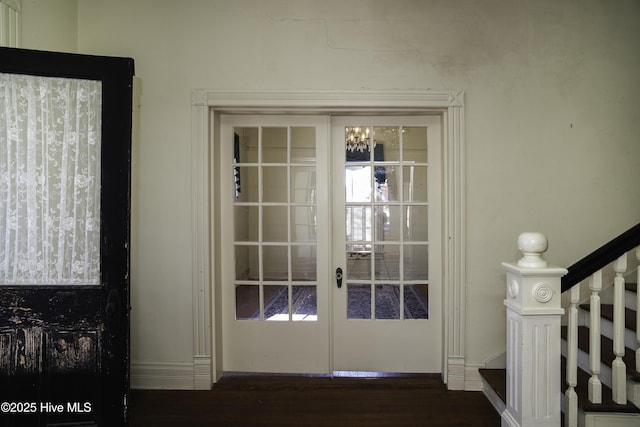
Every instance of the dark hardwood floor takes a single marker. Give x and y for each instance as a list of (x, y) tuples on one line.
[(314, 401)]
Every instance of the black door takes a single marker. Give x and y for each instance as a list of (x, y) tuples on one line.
[(64, 344)]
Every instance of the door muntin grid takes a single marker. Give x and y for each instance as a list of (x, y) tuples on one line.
[(275, 223), (386, 218)]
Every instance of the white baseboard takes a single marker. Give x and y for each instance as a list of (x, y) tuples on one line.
[(202, 373), (472, 378), (455, 373), (160, 375)]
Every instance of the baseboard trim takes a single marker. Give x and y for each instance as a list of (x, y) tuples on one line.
[(455, 373), (202, 373), (472, 378), (160, 375)]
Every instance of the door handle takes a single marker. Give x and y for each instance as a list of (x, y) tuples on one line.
[(339, 277)]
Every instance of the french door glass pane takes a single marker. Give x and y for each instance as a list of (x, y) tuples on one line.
[(274, 184), (358, 265), (245, 223), (358, 301), (414, 183), (303, 263), (303, 224), (416, 223), (359, 140), (247, 145), (387, 262), (275, 224), (304, 304), (387, 302), (303, 145), (389, 219), (416, 301), (275, 262), (274, 145), (247, 302), (247, 184), (359, 226), (358, 184), (416, 265), (414, 144), (387, 146), (303, 184), (388, 184), (247, 263), (276, 302)]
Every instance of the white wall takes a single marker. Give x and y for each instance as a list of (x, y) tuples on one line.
[(50, 25), (551, 117)]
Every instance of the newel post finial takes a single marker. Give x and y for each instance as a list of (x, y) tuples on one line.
[(532, 245)]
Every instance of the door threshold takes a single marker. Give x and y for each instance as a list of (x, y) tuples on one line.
[(334, 374), (240, 374), (367, 374)]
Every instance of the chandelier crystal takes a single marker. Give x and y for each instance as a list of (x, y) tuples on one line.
[(358, 139)]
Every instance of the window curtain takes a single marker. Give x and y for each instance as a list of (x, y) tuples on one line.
[(50, 142)]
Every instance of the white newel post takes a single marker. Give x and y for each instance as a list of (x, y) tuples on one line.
[(534, 386)]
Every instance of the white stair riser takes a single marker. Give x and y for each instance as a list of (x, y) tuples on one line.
[(583, 363), (606, 419), (633, 389), (633, 393), (631, 300), (600, 419), (606, 328)]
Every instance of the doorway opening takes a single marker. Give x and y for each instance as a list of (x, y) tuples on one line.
[(209, 106), (298, 199)]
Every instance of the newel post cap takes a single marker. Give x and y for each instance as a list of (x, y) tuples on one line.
[(532, 245)]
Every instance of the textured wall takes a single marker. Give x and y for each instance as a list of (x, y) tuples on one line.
[(552, 125)]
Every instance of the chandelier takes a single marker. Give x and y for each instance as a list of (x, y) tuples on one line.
[(357, 139)]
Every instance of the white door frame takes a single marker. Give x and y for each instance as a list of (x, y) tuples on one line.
[(207, 105)]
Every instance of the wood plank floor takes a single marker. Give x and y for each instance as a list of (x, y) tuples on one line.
[(314, 401)]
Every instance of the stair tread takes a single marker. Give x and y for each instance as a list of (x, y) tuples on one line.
[(606, 311), (497, 380), (631, 287), (606, 351), (582, 390)]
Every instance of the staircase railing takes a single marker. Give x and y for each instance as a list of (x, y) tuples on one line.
[(601, 257), (613, 254), (533, 329)]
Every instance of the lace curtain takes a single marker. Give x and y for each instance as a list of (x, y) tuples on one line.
[(50, 134)]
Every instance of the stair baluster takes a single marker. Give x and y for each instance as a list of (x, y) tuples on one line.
[(571, 400), (618, 367), (595, 386)]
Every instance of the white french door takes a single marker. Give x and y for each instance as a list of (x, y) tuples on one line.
[(296, 205), (275, 255), (386, 244)]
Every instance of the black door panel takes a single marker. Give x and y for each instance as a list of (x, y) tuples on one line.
[(64, 350)]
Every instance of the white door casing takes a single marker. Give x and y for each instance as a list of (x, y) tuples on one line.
[(207, 105)]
